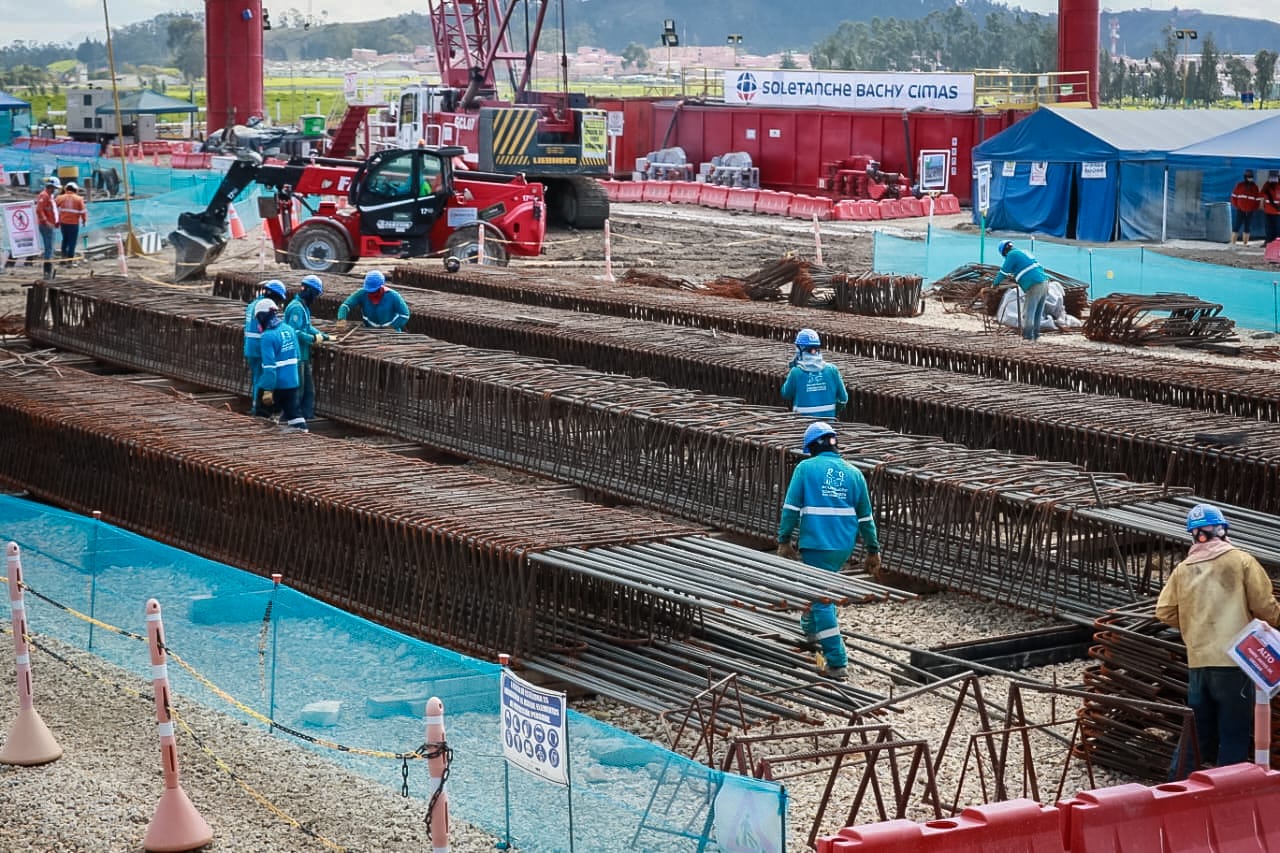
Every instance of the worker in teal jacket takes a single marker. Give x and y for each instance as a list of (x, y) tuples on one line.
[(298, 315), (1031, 278), (829, 505), (813, 386), (273, 290), (380, 306), (278, 383)]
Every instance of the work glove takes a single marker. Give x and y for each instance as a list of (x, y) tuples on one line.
[(342, 325), (787, 551), (319, 339), (326, 336), (872, 565), (268, 399)]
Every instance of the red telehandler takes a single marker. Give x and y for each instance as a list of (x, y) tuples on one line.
[(400, 203)]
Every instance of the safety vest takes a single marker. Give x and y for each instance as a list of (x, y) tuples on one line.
[(71, 209)]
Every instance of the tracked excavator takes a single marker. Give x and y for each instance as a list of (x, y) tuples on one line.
[(323, 214)]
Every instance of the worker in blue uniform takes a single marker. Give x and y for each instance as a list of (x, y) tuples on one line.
[(1032, 280), (278, 383), (814, 387), (298, 315), (829, 505), (273, 290), (380, 306)]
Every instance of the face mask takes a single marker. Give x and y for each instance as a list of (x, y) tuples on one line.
[(811, 361)]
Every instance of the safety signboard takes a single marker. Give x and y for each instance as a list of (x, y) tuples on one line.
[(534, 729), (20, 225), (1257, 651)]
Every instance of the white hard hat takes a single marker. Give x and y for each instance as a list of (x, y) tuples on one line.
[(265, 306), (71, 185), (52, 180)]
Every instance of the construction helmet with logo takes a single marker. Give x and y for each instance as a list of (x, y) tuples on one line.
[(374, 281), (1204, 515), (816, 431), (275, 286), (1006, 247), (806, 338), (313, 282)]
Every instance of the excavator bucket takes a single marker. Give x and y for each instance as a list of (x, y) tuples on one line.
[(192, 254)]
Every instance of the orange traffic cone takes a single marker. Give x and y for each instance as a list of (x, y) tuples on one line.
[(237, 227)]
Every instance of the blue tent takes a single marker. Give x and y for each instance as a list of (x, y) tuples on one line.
[(15, 118), (1256, 145), (1099, 175)]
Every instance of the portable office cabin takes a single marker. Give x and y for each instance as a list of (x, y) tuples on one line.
[(1099, 175), (15, 118)]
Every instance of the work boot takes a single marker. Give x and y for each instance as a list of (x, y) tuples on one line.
[(835, 673)]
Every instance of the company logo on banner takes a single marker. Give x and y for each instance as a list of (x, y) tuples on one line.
[(1256, 650), (20, 227), (850, 90), (534, 729)]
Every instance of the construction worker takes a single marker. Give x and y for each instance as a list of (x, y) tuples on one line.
[(1246, 198), (1210, 597), (1031, 278), (71, 218), (47, 220), (380, 306), (275, 292), (1270, 193), (278, 383), (298, 315), (813, 387), (829, 505)]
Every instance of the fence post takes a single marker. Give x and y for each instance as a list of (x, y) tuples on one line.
[(817, 243), (608, 252), (176, 824), (438, 759), (29, 742)]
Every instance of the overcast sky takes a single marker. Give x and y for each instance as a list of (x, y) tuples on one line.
[(73, 20)]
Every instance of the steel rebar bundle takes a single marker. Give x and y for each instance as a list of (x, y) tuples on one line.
[(1002, 526), (1247, 392), (1221, 458), (1159, 319), (878, 294)]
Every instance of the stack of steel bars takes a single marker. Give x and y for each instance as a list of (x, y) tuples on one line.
[(1003, 526), (1157, 319)]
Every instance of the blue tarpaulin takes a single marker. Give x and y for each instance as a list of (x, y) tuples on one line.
[(1101, 173)]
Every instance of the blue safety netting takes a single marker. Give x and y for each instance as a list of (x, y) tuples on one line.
[(1249, 297), (626, 792)]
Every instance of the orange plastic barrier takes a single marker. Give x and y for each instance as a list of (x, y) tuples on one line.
[(610, 189), (808, 206), (1016, 826), (1272, 252), (773, 202), (1225, 808), (911, 206), (686, 192), (740, 199), (191, 161), (947, 203), (656, 191), (890, 208), (847, 210), (872, 210), (630, 190), (714, 196)]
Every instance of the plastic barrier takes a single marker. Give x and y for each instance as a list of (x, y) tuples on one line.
[(714, 196), (610, 187), (191, 161), (1272, 252), (686, 192), (847, 210), (773, 202), (947, 203), (1225, 808), (1023, 826), (630, 191), (808, 206), (890, 208), (911, 206), (871, 209), (741, 199), (656, 191)]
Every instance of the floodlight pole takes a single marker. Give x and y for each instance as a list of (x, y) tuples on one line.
[(131, 244)]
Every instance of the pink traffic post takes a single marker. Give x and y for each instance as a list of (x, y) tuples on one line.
[(30, 742), (438, 767), (176, 824), (608, 252)]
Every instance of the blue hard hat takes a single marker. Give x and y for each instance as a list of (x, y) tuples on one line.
[(1204, 515), (374, 281), (313, 282), (275, 286), (1005, 247), (807, 338), (817, 430)]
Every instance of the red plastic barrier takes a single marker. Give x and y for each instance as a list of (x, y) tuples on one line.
[(1226, 808), (911, 206), (740, 199), (1271, 252), (610, 189), (773, 202), (656, 191), (714, 196), (890, 208), (191, 161), (1016, 826), (847, 210), (807, 206), (686, 192), (947, 203), (871, 209), (630, 190)]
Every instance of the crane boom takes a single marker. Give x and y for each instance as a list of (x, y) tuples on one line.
[(472, 36)]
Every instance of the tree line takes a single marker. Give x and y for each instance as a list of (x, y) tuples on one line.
[(1169, 76)]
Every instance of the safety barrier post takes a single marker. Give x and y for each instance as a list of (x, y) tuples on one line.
[(480, 258), (29, 742), (233, 220), (608, 252), (262, 249), (504, 660), (93, 573), (124, 263), (176, 824), (438, 766), (276, 577), (1261, 727), (817, 240)]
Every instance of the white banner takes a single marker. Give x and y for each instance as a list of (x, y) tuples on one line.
[(1093, 170), (20, 226), (534, 729), (849, 90)]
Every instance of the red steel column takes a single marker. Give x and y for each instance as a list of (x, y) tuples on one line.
[(1078, 42), (233, 61)]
